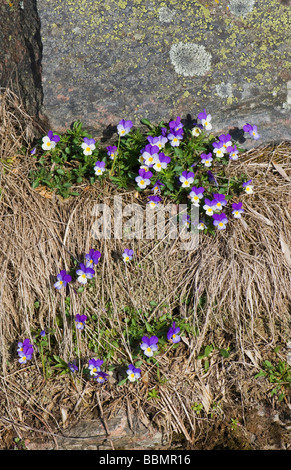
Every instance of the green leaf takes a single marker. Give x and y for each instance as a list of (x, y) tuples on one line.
[(224, 352)]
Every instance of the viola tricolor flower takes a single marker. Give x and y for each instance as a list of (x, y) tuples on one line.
[(175, 136), (124, 127), (84, 273), (133, 373), (161, 162), (112, 151), (99, 168), (149, 345), (88, 146), (73, 366), (205, 119), (101, 377), (127, 255), (233, 152), (92, 258), (196, 131), (211, 178), (95, 366), (25, 347), (173, 334), (219, 149), (143, 180), (159, 141), (33, 151), (237, 210), (219, 221), (186, 179), (154, 201), (157, 186), (209, 206), (80, 321), (186, 221), (248, 187), (150, 155), (176, 125), (220, 201), (25, 356), (42, 333), (196, 195), (63, 279), (206, 159), (252, 130), (50, 141), (226, 140), (201, 225)]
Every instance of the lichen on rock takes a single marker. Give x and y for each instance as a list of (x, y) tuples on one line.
[(190, 59)]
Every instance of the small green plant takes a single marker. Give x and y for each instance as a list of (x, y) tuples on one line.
[(197, 407), (204, 356), (153, 394), (278, 374)]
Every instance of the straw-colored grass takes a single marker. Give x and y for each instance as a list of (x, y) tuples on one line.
[(242, 275)]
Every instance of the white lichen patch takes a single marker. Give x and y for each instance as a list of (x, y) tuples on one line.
[(224, 90), (241, 7), (166, 15), (287, 104), (190, 59)]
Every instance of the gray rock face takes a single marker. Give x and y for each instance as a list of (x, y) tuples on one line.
[(106, 60)]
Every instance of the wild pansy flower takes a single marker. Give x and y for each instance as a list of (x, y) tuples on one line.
[(73, 366), (175, 136), (211, 178), (248, 187), (127, 255), (176, 125), (205, 119), (173, 334), (219, 149), (112, 151), (154, 201), (196, 131), (42, 333), (206, 159), (209, 206), (159, 141), (25, 347), (233, 152), (237, 210), (150, 155), (33, 151), (186, 179), (92, 258), (99, 168), (84, 273), (88, 146), (186, 221), (50, 141), (219, 221), (201, 225), (220, 201), (162, 162), (80, 321), (196, 195), (157, 186), (95, 366), (133, 373), (25, 356), (226, 140), (63, 279), (124, 127), (252, 130), (143, 180), (101, 377), (149, 345)]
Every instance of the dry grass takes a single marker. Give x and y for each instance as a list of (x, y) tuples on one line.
[(242, 275)]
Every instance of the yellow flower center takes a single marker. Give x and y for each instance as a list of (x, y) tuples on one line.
[(142, 182), (24, 358), (88, 149), (48, 144), (220, 224), (123, 131), (186, 182), (175, 139), (206, 123), (236, 212), (132, 375), (100, 378), (83, 275), (61, 282), (174, 336), (159, 165), (94, 370), (126, 258), (206, 161), (218, 204), (148, 349)]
